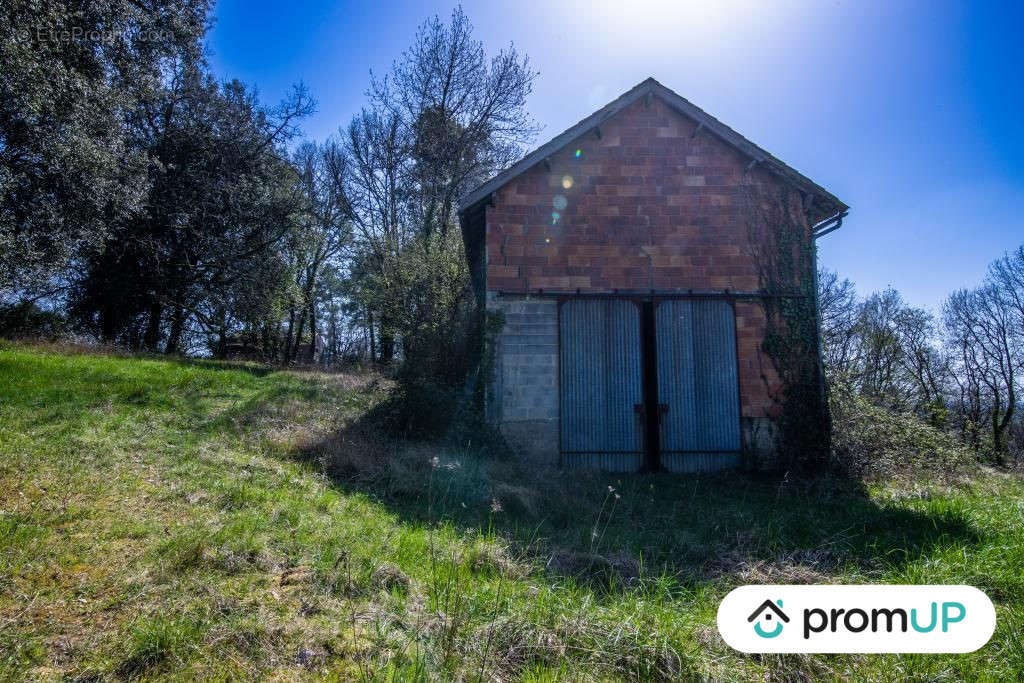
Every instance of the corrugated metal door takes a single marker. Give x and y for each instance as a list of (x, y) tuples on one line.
[(697, 381), (601, 383)]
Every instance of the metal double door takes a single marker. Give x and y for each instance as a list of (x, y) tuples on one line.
[(648, 385)]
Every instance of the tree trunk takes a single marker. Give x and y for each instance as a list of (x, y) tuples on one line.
[(134, 337), (152, 335), (1000, 435), (386, 340), (108, 325), (387, 344), (286, 357), (373, 339), (177, 329), (298, 334), (335, 342), (222, 343), (312, 331)]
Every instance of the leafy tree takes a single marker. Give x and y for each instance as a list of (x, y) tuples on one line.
[(443, 120), (379, 197), (222, 195), (70, 71), (319, 238)]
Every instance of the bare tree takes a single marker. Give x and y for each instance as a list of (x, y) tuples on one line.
[(881, 351), (444, 119), (967, 365), (924, 369), (378, 193), (464, 116), (323, 233), (1007, 275), (838, 304), (980, 325)]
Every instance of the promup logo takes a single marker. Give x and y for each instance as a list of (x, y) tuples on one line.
[(856, 619), (765, 613)]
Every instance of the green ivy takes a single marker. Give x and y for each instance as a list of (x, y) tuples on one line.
[(783, 249)]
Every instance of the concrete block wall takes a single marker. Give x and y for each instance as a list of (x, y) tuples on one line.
[(523, 399)]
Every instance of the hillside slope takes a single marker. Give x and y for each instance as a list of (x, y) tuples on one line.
[(195, 519)]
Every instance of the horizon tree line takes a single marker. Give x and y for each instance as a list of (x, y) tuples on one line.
[(961, 370)]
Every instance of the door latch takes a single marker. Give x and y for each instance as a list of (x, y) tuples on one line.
[(641, 410)]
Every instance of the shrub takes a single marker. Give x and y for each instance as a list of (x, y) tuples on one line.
[(874, 442), (418, 407), (29, 321), (446, 360)]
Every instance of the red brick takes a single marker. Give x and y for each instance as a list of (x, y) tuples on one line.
[(633, 189), (499, 271)]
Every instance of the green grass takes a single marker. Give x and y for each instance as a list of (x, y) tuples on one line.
[(193, 519)]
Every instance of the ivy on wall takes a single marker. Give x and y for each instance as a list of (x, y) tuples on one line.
[(783, 250)]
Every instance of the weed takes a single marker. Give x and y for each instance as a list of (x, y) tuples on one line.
[(160, 643)]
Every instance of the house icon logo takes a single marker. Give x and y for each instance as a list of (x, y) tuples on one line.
[(764, 616)]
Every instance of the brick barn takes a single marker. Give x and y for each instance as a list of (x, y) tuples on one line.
[(619, 254)]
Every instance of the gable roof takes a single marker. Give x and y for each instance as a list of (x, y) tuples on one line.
[(824, 201), (765, 605)]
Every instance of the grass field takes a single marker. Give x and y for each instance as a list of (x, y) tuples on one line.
[(180, 519)]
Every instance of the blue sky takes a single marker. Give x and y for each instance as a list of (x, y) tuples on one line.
[(908, 111)]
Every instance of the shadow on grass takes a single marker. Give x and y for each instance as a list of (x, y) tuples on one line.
[(251, 367), (610, 529), (262, 369)]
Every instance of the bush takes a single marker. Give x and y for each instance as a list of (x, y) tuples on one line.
[(29, 321), (445, 354), (418, 407), (874, 443)]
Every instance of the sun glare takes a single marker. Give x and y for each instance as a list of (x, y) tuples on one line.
[(676, 27)]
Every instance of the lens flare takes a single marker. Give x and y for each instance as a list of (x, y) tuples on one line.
[(579, 153), (554, 217), (567, 181), (560, 202)]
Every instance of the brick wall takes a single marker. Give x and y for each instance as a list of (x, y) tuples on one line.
[(647, 205), (759, 384)]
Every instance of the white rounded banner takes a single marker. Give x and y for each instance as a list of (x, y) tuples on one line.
[(863, 618)]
